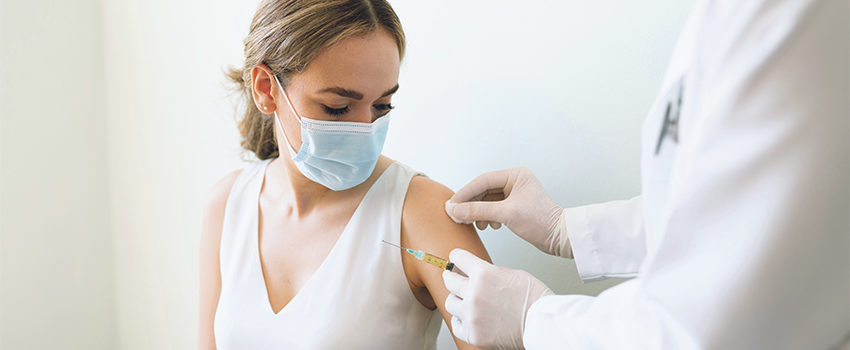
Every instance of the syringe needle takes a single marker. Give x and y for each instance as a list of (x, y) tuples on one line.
[(392, 244)]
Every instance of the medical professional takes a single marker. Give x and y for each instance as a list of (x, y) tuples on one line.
[(740, 237)]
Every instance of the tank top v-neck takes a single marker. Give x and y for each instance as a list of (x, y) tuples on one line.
[(358, 297)]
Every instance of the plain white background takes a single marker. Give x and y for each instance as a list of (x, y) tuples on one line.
[(117, 118)]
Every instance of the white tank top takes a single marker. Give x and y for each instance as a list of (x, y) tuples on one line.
[(358, 298)]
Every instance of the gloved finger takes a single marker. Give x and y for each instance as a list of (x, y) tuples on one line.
[(495, 225), (459, 331), (450, 210), (492, 197), (454, 306), (455, 283), (477, 211), (468, 262), (494, 180)]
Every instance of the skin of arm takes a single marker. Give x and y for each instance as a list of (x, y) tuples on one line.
[(426, 226), (209, 268)]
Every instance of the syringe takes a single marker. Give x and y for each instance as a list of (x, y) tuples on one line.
[(431, 259)]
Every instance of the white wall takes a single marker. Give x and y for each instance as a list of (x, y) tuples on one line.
[(171, 134), (558, 86), (56, 285)]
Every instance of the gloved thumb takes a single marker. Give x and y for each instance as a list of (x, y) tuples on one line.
[(469, 212), (468, 262)]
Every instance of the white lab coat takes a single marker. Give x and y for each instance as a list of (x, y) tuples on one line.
[(740, 238)]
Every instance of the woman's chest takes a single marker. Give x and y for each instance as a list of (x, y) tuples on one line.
[(291, 251)]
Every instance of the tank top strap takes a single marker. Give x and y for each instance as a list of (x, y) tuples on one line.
[(386, 201), (359, 253), (400, 182), (239, 223)]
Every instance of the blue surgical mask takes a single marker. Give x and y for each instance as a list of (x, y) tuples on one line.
[(337, 155)]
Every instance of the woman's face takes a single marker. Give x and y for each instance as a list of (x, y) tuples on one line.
[(353, 81)]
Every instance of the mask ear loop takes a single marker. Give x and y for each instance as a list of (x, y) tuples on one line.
[(288, 101), (291, 108)]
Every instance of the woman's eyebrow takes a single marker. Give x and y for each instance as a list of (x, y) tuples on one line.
[(354, 94), (390, 91)]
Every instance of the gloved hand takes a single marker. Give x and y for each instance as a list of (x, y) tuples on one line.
[(488, 308), (516, 198)]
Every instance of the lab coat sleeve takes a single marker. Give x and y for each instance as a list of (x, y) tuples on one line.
[(607, 239), (754, 238)]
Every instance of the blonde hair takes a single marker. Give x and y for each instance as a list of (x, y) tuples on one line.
[(287, 35)]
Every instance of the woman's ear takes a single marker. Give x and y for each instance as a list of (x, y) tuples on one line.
[(262, 87)]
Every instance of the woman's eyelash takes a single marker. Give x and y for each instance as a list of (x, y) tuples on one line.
[(336, 111), (343, 110)]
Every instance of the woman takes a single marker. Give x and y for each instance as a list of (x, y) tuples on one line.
[(291, 251)]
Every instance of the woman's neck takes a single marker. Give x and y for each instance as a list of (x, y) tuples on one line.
[(284, 180), (302, 196)]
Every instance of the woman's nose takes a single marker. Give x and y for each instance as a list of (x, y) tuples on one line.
[(364, 115)]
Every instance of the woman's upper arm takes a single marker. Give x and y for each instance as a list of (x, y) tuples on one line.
[(427, 227), (210, 274)]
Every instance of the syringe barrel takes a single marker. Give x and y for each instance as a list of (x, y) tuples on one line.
[(436, 261)]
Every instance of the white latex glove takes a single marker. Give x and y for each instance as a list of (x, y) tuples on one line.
[(488, 308), (516, 198)]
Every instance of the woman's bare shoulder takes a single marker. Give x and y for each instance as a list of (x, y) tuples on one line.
[(214, 205), (217, 195), (426, 226)]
